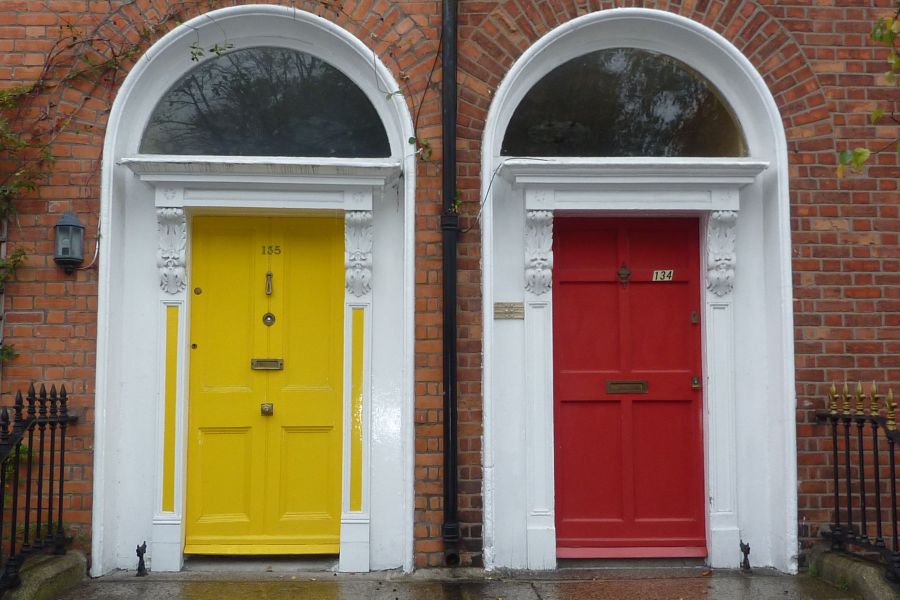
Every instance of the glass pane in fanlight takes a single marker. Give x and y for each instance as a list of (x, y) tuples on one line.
[(266, 101), (623, 102)]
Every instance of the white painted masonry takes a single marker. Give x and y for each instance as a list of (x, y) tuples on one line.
[(747, 331), (140, 192)]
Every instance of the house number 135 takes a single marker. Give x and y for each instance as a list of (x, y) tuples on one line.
[(271, 249)]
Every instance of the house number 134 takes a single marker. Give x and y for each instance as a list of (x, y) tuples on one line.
[(271, 249), (663, 275)]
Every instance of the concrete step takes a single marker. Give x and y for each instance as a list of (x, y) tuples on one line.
[(48, 577), (855, 575)]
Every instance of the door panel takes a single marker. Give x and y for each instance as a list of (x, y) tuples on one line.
[(225, 474), (629, 466), (279, 481)]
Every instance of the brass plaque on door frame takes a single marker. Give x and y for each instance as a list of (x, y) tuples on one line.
[(504, 311), (638, 386)]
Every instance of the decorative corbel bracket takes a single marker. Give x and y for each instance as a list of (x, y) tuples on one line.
[(170, 257), (721, 258), (358, 235), (538, 251)]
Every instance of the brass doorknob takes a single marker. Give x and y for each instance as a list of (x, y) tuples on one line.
[(267, 409)]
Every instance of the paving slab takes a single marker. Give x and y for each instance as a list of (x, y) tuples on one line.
[(581, 585)]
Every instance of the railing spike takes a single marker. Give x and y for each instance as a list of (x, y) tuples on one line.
[(18, 422), (891, 408), (875, 401), (832, 399), (860, 400), (846, 400), (4, 426)]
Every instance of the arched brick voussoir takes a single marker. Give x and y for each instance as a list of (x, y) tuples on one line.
[(786, 69), (488, 50), (385, 27)]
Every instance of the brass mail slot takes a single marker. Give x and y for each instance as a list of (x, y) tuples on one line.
[(267, 364), (627, 387)]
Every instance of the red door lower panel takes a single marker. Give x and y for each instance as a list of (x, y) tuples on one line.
[(627, 409)]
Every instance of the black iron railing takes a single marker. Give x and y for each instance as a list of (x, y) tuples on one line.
[(863, 439), (32, 478)]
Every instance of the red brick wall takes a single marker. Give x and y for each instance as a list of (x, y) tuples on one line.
[(815, 57)]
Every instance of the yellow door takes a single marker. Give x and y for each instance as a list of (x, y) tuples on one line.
[(265, 288)]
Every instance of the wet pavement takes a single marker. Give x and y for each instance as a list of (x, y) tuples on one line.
[(448, 585)]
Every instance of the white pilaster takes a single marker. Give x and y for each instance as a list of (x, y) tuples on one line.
[(355, 524), (540, 518), (724, 531), (168, 526)]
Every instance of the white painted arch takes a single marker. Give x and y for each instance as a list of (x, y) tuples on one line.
[(127, 405), (760, 444)]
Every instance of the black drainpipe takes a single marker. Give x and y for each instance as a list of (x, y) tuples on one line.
[(450, 231)]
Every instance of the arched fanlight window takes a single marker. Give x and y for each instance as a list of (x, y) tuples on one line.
[(623, 102), (266, 101)]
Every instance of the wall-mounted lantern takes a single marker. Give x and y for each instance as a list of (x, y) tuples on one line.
[(69, 242)]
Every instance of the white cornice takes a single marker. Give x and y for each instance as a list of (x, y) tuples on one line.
[(692, 172), (626, 184), (160, 169)]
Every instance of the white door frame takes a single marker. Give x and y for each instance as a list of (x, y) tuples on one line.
[(709, 189), (146, 202), (183, 188), (748, 337)]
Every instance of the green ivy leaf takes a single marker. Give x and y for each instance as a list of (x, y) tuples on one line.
[(7, 353), (859, 158), (876, 114), (845, 157)]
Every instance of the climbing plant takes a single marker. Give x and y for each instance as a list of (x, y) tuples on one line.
[(85, 64), (884, 33)]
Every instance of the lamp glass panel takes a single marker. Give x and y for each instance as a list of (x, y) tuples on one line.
[(69, 240), (63, 241), (77, 242), (623, 102), (266, 101)]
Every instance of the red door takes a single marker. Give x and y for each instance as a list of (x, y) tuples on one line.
[(627, 409)]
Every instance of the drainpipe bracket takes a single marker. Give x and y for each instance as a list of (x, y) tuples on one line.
[(450, 532), (450, 221)]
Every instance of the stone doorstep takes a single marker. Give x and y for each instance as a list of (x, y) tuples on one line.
[(46, 577), (856, 575)]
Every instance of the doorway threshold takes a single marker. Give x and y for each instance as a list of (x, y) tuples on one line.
[(632, 563), (205, 563)]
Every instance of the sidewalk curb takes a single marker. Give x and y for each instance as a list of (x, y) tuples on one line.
[(851, 573)]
